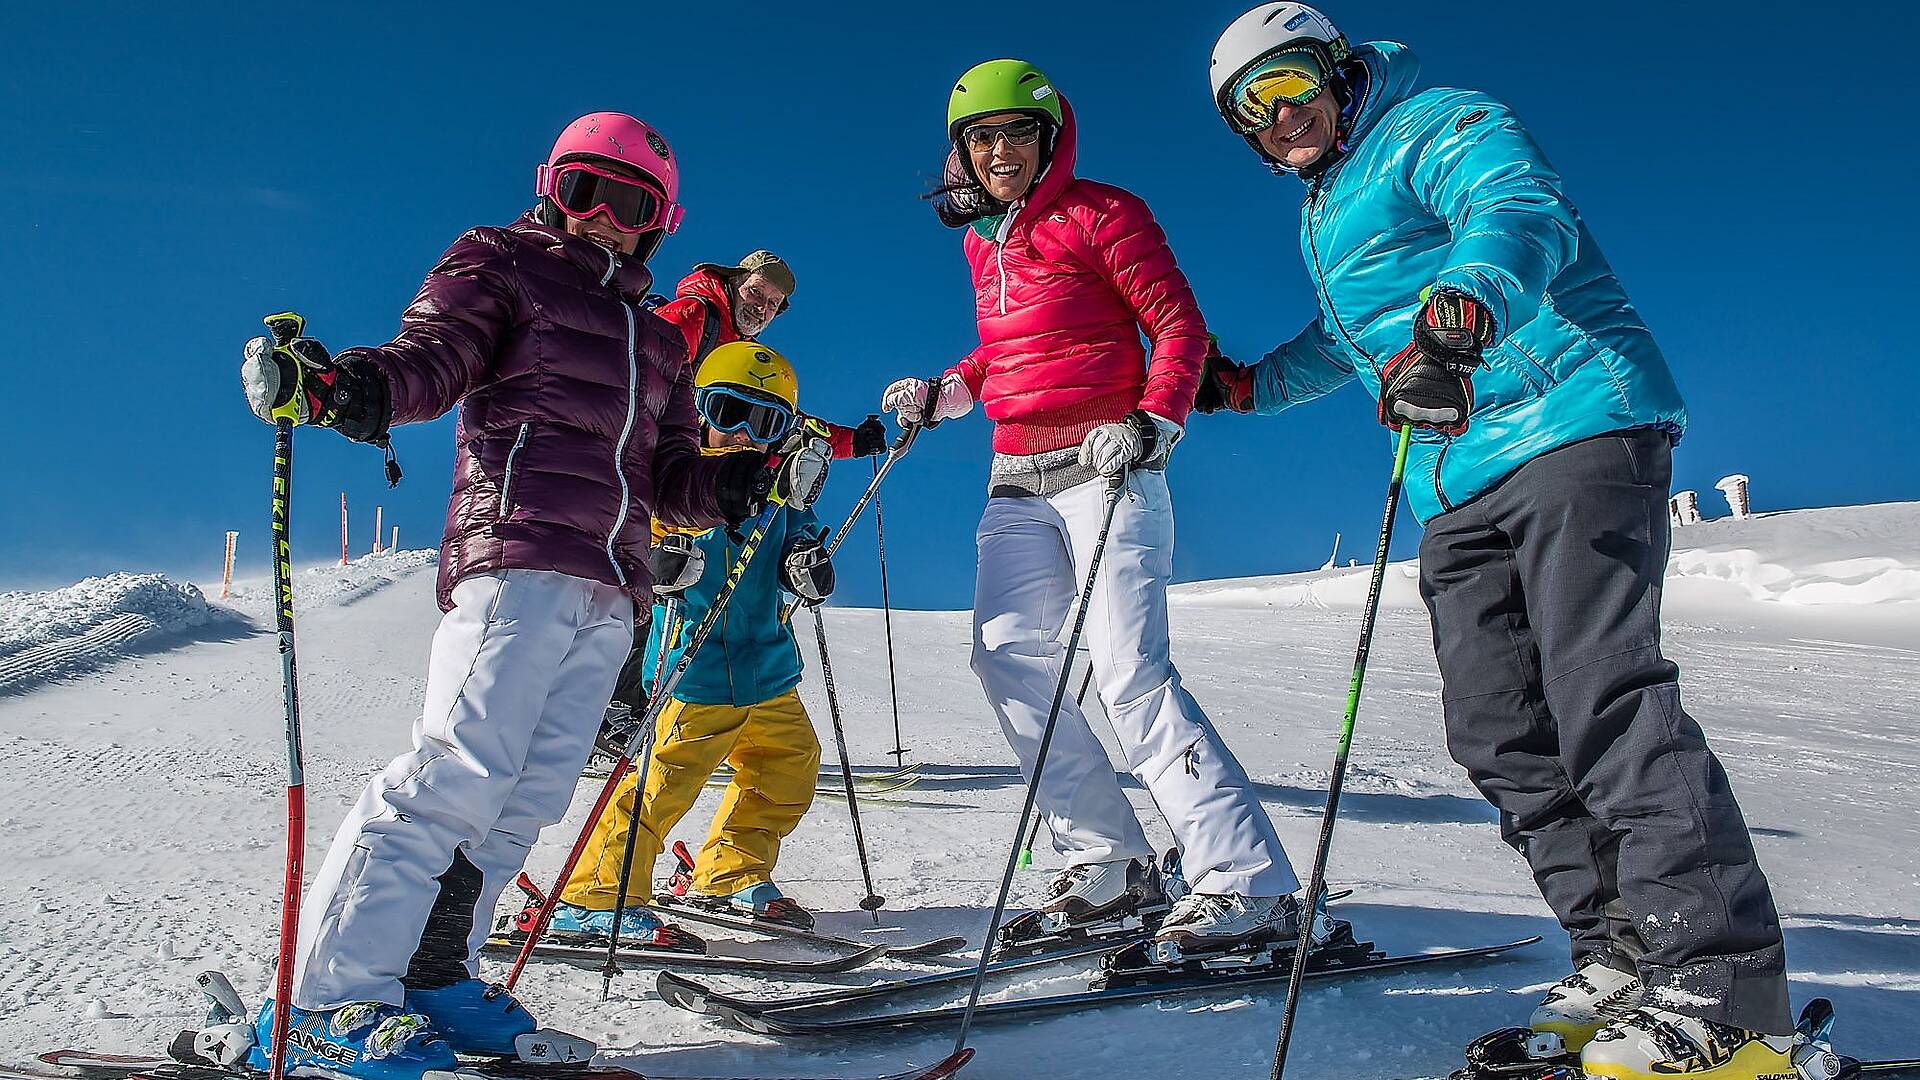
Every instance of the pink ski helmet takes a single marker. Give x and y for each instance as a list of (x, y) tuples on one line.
[(617, 137)]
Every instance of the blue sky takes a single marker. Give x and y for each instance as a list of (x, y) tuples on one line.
[(171, 176)]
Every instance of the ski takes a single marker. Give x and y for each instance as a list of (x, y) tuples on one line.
[(1127, 930), (171, 1069), (512, 926), (689, 912), (595, 956), (685, 993), (781, 1022)]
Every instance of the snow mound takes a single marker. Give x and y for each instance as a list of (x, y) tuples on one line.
[(1839, 555), (1843, 555), (46, 635), (333, 585)]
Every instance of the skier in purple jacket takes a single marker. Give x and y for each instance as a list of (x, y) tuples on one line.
[(576, 427)]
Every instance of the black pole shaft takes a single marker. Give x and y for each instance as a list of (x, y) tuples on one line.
[(1317, 880), (886, 612), (874, 901), (1033, 834), (1114, 490), (669, 625)]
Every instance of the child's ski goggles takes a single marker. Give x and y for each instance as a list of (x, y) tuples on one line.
[(728, 411), (1290, 78), (582, 191)]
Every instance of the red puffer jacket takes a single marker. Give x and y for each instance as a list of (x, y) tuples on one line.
[(576, 423), (1062, 293), (705, 290)]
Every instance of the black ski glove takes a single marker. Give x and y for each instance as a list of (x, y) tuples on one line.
[(806, 571), (742, 485), (870, 438), (1429, 384), (350, 396), (676, 564), (1223, 383)]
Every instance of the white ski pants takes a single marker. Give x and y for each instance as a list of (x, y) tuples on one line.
[(1033, 556), (522, 669)]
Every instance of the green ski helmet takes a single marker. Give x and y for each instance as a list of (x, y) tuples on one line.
[(999, 86)]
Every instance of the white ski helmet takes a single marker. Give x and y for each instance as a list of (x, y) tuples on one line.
[(1268, 29)]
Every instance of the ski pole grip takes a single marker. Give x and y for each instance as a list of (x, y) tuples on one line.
[(285, 326)]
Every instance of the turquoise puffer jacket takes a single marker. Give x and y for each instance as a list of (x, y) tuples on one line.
[(751, 656), (1444, 188)]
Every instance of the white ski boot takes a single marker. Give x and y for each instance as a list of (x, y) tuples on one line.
[(1582, 1003), (1651, 1043), (1213, 924), (1090, 902)]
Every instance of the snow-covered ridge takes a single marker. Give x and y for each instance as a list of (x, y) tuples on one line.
[(65, 632), (1843, 555)]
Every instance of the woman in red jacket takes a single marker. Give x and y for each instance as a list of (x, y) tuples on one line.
[(1068, 274)]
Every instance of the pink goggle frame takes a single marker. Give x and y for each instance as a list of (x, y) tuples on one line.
[(667, 214)]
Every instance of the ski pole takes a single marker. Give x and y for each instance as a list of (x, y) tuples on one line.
[(1115, 487), (1316, 881), (874, 901), (663, 691), (886, 613), (669, 625), (894, 453), (286, 326), (1026, 853)]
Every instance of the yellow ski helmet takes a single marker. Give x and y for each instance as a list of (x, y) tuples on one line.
[(743, 385), (749, 365)]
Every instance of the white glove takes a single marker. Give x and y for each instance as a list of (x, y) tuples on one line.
[(1141, 439), (803, 469), (676, 563), (907, 398)]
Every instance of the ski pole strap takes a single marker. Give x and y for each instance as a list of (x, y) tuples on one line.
[(927, 417)]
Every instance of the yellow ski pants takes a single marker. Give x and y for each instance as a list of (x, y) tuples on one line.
[(776, 760)]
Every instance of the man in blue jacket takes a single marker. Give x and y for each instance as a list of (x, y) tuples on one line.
[(1456, 281)]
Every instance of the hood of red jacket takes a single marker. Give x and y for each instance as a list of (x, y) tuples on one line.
[(706, 283), (1059, 174)]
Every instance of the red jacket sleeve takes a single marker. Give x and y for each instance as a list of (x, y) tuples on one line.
[(842, 440), (448, 334), (1132, 250)]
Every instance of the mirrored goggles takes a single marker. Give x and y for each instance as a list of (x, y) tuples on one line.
[(581, 190), (728, 411), (1290, 78), (1022, 132)]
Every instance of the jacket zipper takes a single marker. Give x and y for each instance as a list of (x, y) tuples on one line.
[(1320, 280), (1000, 251), (506, 483), (620, 448)]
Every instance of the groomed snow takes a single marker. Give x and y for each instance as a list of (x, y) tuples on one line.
[(143, 804)]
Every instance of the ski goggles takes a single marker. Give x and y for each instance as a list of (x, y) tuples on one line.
[(1022, 132), (581, 190), (1255, 98), (728, 411)]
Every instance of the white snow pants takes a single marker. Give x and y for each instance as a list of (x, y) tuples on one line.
[(522, 669), (1033, 555)]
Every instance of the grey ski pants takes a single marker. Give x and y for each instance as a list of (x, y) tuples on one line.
[(1545, 599)]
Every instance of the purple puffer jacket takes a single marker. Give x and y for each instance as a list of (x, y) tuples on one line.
[(576, 421)]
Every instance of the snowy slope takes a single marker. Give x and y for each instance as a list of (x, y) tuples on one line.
[(143, 806)]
